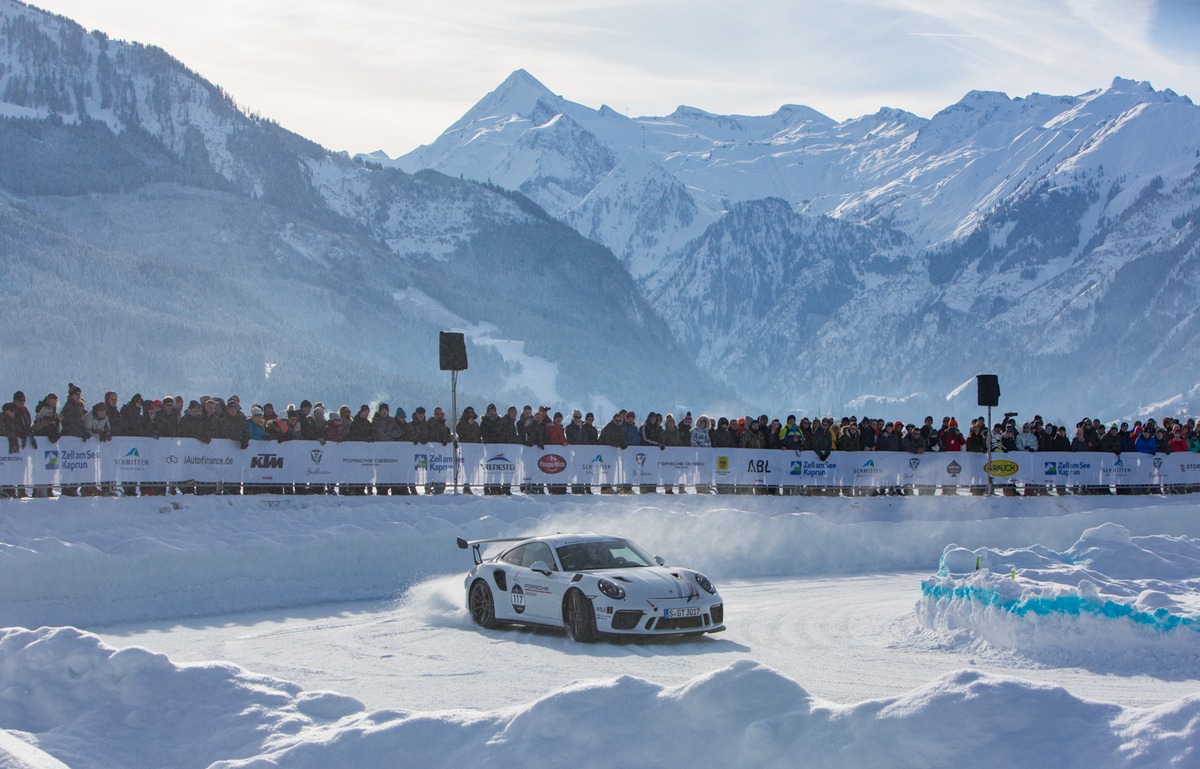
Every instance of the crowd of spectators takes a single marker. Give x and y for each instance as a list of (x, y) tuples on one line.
[(208, 417)]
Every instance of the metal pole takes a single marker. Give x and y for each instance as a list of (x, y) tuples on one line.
[(454, 421), (988, 466)]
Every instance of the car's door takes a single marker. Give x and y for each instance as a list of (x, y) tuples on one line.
[(543, 592), (510, 604)]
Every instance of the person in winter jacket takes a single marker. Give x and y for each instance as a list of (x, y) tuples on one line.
[(888, 439), (333, 429), (849, 438), (256, 426), (589, 434), (96, 422), (469, 430), (1060, 442), (790, 436), (492, 427), (671, 435), (912, 442), (166, 423), (1145, 443), (46, 422), (868, 435), (438, 431), (753, 438), (822, 441), (633, 436), (1079, 442), (613, 433), (1027, 441), (73, 413), (573, 431), (361, 429), (651, 432), (9, 426), (952, 439), (534, 429), (699, 434), (384, 424), (231, 426), (193, 423), (721, 438), (556, 434), (22, 421)]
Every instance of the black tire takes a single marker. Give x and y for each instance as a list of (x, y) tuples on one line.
[(482, 605), (580, 618)]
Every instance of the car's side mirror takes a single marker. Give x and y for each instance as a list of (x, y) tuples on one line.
[(542, 568), (659, 560)]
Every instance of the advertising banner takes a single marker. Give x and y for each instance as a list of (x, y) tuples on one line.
[(72, 462)]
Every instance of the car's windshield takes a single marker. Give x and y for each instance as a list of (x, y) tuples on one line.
[(602, 554)]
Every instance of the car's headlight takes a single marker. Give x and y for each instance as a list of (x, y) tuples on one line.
[(611, 589), (703, 582)]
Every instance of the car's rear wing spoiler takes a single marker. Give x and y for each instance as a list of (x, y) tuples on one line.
[(474, 544)]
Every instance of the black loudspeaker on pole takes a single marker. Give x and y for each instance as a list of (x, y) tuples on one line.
[(452, 354), (989, 395), (452, 349), (989, 389)]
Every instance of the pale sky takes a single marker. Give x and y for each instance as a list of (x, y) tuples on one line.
[(362, 75)]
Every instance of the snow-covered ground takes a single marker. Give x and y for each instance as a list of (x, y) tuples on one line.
[(856, 638)]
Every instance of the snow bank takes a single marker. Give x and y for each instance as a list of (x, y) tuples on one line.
[(67, 695), (1110, 596)]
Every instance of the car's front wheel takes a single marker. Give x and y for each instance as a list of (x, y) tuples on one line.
[(482, 605), (579, 618)]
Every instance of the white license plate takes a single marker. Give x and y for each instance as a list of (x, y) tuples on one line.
[(691, 611)]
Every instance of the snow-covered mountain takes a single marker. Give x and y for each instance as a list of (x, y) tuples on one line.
[(157, 238), (1050, 239)]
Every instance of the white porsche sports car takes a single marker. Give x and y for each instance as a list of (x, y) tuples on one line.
[(590, 584)]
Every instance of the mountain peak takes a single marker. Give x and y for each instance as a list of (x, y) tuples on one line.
[(519, 93)]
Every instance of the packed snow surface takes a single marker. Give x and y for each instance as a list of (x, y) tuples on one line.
[(1109, 594), (70, 567)]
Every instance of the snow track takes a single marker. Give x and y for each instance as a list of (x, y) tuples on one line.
[(844, 639)]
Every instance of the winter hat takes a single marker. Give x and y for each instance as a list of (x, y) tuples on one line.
[(576, 413), (319, 412), (383, 407), (335, 417), (256, 410), (400, 413), (194, 405)]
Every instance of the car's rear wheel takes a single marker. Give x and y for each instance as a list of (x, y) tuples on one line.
[(579, 618), (482, 605)]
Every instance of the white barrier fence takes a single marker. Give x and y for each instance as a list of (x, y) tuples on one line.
[(72, 462)]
